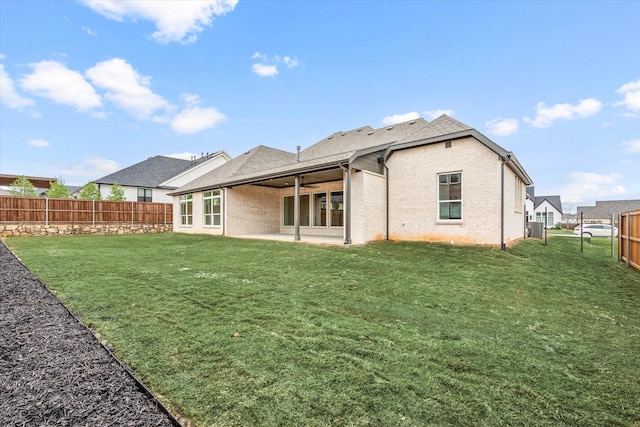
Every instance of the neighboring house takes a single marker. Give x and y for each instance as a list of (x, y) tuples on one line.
[(441, 181), (545, 209), (151, 179), (602, 211)]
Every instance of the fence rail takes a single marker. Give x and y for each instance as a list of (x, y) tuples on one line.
[(30, 210), (629, 242)]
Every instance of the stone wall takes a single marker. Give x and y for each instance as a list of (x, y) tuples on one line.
[(7, 230)]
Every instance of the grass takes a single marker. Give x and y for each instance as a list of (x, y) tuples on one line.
[(238, 332)]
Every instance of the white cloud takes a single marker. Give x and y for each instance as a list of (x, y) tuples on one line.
[(399, 118), (503, 127), (176, 21), (88, 31), (632, 146), (53, 80), (265, 70), (92, 168), (290, 62), (268, 67), (631, 92), (196, 119), (126, 88), (546, 116), (260, 56), (589, 186), (8, 94), (39, 143), (434, 114)]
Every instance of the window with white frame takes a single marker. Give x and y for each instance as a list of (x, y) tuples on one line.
[(540, 218), (450, 196), (186, 209), (211, 207)]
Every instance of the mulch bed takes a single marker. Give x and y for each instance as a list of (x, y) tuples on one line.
[(53, 370)]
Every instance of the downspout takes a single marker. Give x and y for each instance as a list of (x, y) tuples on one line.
[(347, 204), (386, 175), (296, 209), (223, 220), (502, 244)]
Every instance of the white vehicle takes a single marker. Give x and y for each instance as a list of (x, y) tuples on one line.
[(596, 230)]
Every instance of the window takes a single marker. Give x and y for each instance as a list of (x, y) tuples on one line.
[(289, 210), (518, 195), (144, 195), (186, 209), (450, 196), (320, 210), (211, 207), (337, 207), (540, 218)]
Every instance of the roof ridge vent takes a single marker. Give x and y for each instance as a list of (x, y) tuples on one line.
[(343, 134), (412, 122), (370, 133), (359, 130), (330, 137), (390, 127)]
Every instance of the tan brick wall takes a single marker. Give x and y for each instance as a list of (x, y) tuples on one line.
[(413, 192), (368, 207), (251, 209)]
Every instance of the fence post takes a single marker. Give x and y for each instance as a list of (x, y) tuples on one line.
[(165, 214), (612, 234), (46, 211), (581, 231), (628, 238), (132, 212)]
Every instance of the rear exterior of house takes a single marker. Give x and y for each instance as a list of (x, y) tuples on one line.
[(439, 182)]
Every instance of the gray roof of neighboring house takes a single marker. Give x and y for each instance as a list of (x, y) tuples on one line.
[(554, 201), (603, 209), (148, 173), (531, 192), (262, 163)]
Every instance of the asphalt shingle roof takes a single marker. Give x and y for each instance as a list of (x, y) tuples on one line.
[(604, 208), (264, 162), (554, 201), (148, 173)]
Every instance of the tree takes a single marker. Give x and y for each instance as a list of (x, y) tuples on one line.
[(23, 187), (57, 190), (116, 193), (90, 191)]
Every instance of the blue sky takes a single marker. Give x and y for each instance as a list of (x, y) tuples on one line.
[(90, 87)]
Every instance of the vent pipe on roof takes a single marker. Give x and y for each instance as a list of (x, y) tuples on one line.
[(298, 150)]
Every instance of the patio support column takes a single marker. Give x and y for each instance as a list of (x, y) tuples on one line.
[(296, 209)]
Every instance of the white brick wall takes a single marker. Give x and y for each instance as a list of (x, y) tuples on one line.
[(368, 216), (413, 192)]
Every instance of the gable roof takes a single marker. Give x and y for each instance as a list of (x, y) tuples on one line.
[(339, 149), (149, 173), (554, 201), (445, 128)]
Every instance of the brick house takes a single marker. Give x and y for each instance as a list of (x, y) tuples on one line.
[(151, 180), (439, 181)]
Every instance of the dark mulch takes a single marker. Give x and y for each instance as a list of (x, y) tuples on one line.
[(53, 370)]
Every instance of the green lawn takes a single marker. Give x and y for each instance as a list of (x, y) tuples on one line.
[(385, 334)]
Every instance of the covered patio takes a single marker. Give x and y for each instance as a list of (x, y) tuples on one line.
[(314, 240)]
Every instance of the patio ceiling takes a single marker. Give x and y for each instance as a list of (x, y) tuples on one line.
[(307, 179)]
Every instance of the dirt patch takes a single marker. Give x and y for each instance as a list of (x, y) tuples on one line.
[(53, 371)]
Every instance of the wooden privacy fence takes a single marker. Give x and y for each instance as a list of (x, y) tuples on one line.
[(30, 210), (629, 232)]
